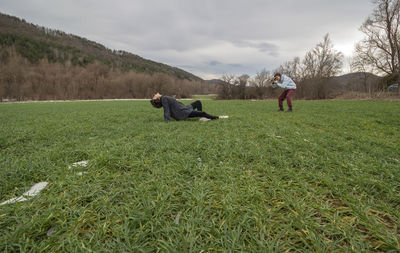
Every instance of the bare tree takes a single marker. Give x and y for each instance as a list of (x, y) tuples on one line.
[(242, 83), (261, 78), (226, 86), (292, 68), (380, 49), (323, 61), (260, 83), (358, 64)]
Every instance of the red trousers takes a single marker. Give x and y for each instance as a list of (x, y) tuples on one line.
[(288, 95)]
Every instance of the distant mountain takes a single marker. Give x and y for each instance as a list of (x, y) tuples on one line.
[(355, 81), (215, 81), (351, 78), (35, 43)]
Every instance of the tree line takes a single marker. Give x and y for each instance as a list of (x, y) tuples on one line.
[(377, 54), (22, 80), (310, 73), (379, 51)]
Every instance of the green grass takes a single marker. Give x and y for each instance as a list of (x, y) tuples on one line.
[(205, 97), (324, 178)]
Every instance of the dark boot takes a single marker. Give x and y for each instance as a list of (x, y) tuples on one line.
[(280, 110), (289, 110)]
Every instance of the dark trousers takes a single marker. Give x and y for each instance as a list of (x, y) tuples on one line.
[(287, 94), (199, 113), (197, 105)]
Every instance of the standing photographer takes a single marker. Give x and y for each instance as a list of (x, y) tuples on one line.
[(286, 83)]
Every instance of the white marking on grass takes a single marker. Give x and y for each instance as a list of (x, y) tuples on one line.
[(178, 216), (204, 119), (224, 117), (35, 190), (274, 136), (306, 140), (51, 231), (81, 163), (13, 200), (81, 173)]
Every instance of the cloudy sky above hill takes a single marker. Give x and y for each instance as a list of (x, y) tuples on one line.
[(208, 38)]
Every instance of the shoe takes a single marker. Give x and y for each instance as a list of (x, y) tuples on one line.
[(280, 110), (223, 117), (204, 119), (289, 110)]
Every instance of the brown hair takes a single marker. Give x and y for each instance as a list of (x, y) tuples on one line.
[(156, 103), (277, 74)]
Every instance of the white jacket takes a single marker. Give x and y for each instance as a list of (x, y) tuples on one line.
[(285, 83)]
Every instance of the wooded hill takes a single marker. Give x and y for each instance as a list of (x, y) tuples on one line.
[(37, 63), (36, 43)]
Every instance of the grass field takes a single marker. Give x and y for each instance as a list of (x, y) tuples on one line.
[(205, 97), (324, 178)]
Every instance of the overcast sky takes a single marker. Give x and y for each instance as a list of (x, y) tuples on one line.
[(208, 38)]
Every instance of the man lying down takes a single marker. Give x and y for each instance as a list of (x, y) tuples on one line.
[(179, 111)]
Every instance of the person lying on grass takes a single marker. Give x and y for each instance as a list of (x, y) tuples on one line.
[(179, 111)]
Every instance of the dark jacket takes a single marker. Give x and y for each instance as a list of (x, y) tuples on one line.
[(175, 109)]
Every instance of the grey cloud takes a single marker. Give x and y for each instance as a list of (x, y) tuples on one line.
[(235, 65), (214, 63), (219, 64), (185, 32), (219, 68), (271, 48)]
